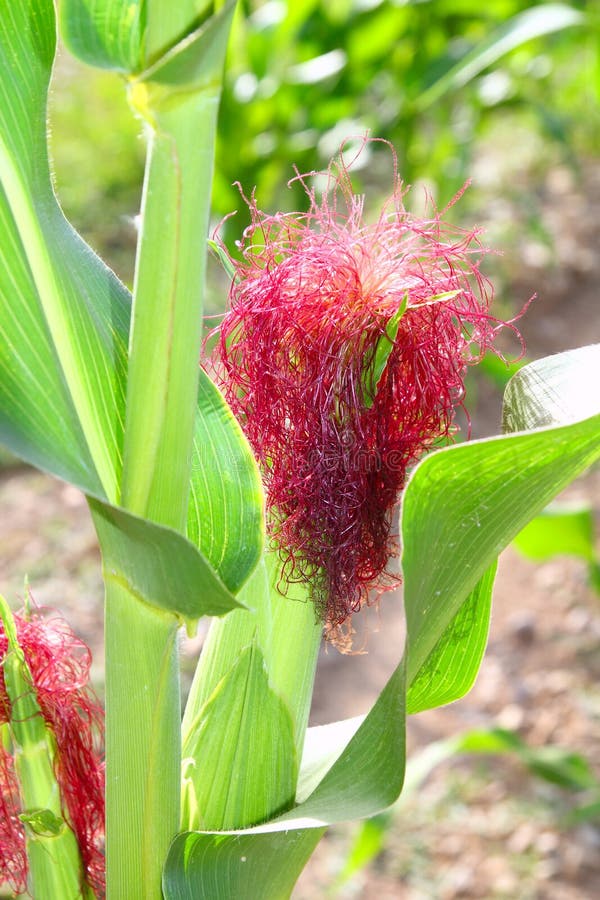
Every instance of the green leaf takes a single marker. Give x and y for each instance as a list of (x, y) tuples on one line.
[(63, 315), (557, 765), (465, 504), (451, 668), (225, 513), (245, 729), (158, 565), (532, 23), (105, 33), (222, 866), (367, 845), (461, 507), (64, 326), (385, 345)]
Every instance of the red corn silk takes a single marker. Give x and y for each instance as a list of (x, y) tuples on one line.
[(59, 664), (297, 358), (13, 859)]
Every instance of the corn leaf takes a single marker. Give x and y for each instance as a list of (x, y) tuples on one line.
[(226, 866), (64, 324), (462, 506), (561, 529), (158, 565), (63, 315), (105, 33)]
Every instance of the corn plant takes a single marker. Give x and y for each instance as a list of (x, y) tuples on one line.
[(342, 356)]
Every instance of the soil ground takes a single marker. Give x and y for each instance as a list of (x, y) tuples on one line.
[(476, 827)]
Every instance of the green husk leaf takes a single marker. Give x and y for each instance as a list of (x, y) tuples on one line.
[(239, 756)]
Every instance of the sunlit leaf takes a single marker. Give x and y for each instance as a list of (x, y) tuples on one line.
[(553, 390), (158, 565), (462, 506), (222, 866), (63, 314), (465, 504), (64, 324)]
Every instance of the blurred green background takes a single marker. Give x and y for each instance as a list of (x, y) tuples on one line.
[(498, 92)]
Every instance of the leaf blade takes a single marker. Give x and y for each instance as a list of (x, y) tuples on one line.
[(225, 866), (158, 565), (105, 33), (525, 26)]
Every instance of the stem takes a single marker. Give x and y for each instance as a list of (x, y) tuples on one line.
[(162, 382), (142, 744), (142, 684)]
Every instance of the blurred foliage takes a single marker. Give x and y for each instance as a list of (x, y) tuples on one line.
[(304, 76), (563, 529), (459, 87), (560, 767), (98, 158)]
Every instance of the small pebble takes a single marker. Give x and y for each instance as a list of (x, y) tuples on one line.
[(547, 842), (522, 627), (512, 717), (521, 839)]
